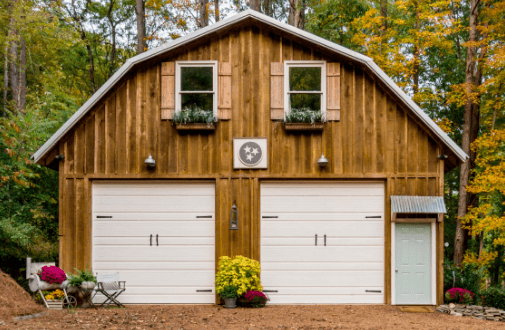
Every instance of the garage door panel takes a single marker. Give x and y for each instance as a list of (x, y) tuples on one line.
[(162, 240), (153, 216), (139, 204), (310, 228), (322, 189), (322, 253), (156, 278), (147, 228), (330, 241), (114, 266), (153, 253), (322, 290), (163, 299), (322, 216), (320, 203), (167, 289), (329, 278), (153, 189), (295, 266), (326, 299)]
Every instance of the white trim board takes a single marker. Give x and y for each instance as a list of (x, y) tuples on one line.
[(250, 14), (433, 261)]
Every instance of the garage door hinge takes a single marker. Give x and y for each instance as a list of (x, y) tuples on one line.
[(375, 291)]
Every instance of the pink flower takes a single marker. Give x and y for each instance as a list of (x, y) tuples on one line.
[(52, 274)]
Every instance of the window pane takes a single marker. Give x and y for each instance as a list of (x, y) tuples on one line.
[(200, 100), (305, 101), (196, 78), (304, 79)]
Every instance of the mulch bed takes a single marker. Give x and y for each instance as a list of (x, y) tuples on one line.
[(270, 317), (14, 300)]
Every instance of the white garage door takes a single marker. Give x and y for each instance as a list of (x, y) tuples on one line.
[(347, 264), (159, 237)]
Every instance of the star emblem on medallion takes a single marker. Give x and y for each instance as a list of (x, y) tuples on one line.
[(250, 153)]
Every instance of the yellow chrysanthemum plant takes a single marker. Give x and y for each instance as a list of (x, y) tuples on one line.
[(55, 295), (240, 272)]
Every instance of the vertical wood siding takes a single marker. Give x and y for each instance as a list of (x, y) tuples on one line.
[(375, 138)]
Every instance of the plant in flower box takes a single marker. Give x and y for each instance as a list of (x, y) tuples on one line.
[(194, 117), (459, 296), (84, 279), (54, 299), (304, 119)]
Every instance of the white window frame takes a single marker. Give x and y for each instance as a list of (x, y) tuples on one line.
[(178, 76), (287, 92)]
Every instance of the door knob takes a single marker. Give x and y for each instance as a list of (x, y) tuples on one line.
[(396, 270)]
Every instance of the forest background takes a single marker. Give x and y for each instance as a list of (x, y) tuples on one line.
[(448, 55)]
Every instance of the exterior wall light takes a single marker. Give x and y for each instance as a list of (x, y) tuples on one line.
[(322, 161), (442, 156), (150, 161), (234, 217)]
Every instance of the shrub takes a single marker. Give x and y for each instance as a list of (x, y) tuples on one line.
[(255, 299), (194, 115), (52, 274), (304, 116), (458, 295), (467, 276), (493, 297), (240, 272)]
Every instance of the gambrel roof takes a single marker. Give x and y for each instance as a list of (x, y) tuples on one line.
[(285, 28)]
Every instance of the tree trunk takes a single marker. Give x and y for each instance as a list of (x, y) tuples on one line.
[(297, 13), (141, 26), (113, 35), (256, 5), (470, 72), (21, 102), (204, 17), (6, 80), (216, 10), (267, 7), (415, 73)]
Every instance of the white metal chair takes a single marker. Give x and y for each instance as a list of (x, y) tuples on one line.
[(111, 287)]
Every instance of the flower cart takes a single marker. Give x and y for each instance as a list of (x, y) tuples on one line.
[(54, 281)]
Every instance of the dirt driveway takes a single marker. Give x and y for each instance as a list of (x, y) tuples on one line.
[(270, 317)]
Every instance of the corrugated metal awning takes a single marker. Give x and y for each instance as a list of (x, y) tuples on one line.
[(417, 204)]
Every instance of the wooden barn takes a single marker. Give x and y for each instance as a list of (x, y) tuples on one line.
[(347, 211)]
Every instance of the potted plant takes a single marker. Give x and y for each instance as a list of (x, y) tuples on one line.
[(229, 295), (304, 119), (194, 118), (54, 299), (255, 299), (84, 279)]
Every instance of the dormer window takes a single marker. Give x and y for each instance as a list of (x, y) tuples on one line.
[(305, 86)]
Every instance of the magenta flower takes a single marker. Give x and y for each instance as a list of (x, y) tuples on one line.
[(52, 274), (459, 295)]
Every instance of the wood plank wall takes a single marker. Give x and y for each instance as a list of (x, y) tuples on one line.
[(375, 138)]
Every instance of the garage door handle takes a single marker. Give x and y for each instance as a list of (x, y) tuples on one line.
[(151, 240), (324, 239), (157, 240), (316, 239), (210, 290)]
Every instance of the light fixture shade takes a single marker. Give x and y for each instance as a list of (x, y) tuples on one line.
[(234, 217), (322, 161), (150, 161)]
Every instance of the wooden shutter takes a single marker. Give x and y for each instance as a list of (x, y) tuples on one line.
[(167, 90), (332, 91), (277, 91), (224, 91)]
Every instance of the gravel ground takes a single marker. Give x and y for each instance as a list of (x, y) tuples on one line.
[(270, 317)]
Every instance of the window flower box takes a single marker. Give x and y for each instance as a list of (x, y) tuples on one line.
[(195, 126), (303, 126)]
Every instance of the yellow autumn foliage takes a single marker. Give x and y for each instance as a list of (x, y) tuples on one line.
[(240, 272)]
